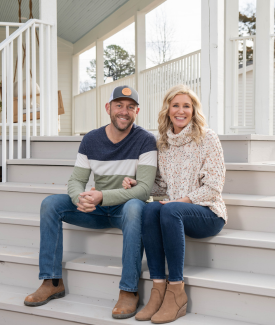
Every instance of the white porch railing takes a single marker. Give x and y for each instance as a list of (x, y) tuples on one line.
[(155, 82), (9, 124), (243, 88), (85, 112)]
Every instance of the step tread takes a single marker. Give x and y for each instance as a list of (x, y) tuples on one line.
[(88, 310), (58, 138), (225, 237), (259, 284), (42, 162), (229, 198), (264, 166)]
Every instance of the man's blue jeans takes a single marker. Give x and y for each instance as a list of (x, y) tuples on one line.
[(58, 208), (163, 232)]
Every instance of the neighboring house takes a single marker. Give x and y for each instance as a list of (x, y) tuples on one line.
[(230, 278)]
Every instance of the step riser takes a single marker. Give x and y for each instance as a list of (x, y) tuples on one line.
[(88, 284), (21, 202), (250, 218), (212, 302), (234, 258), (248, 151), (41, 174), (231, 305), (54, 150), (73, 240), (249, 182), (216, 256), (14, 150)]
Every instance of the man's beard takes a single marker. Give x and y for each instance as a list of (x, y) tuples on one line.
[(114, 121)]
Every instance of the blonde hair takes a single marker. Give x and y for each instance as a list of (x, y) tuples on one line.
[(164, 122)]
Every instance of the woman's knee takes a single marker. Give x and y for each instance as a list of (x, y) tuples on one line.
[(170, 213), (151, 213)]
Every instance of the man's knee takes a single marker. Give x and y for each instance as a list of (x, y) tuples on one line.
[(133, 211), (52, 203)]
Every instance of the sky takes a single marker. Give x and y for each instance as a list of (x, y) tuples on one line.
[(183, 19)]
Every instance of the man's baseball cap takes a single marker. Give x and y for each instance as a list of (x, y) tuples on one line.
[(124, 92)]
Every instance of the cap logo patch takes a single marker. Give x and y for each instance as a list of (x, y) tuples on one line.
[(126, 91)]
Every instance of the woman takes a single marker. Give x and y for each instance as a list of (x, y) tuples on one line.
[(191, 173)]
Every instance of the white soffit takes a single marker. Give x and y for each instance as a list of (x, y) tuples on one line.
[(75, 18)]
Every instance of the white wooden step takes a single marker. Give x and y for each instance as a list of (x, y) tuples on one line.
[(248, 148), (251, 283), (219, 293), (75, 309), (225, 237), (63, 147), (245, 251), (254, 178)]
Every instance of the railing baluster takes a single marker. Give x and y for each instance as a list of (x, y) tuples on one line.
[(33, 44), (235, 82), (20, 98), (48, 78), (244, 82), (10, 100), (4, 108), (28, 124), (41, 75)]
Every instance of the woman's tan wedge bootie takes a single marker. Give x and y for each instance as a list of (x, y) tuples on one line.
[(174, 304), (154, 303)]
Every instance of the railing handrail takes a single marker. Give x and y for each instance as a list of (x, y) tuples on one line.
[(171, 61), (85, 92), (20, 30), (4, 24), (240, 38), (127, 77)]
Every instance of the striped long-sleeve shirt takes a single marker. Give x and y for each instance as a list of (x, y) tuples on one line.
[(135, 156)]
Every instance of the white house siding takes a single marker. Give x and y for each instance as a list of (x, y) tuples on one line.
[(65, 50)]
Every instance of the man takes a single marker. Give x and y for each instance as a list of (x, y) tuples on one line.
[(112, 152)]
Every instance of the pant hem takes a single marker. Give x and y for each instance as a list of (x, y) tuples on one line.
[(175, 280), (50, 277), (158, 277), (127, 289)]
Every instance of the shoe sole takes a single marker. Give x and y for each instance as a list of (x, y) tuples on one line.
[(44, 302), (181, 312), (123, 316)]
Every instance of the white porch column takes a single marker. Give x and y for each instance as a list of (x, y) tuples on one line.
[(231, 30), (48, 13), (75, 87), (212, 63), (264, 67), (99, 79), (140, 57)]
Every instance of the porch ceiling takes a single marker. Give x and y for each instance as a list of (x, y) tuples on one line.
[(75, 18)]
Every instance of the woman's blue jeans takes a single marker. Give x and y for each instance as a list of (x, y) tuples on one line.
[(58, 208), (163, 232)]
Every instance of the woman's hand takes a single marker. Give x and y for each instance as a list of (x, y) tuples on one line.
[(128, 182), (185, 199)]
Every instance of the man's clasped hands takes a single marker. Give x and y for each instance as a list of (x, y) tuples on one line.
[(89, 200)]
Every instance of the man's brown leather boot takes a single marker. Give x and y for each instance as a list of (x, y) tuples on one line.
[(45, 293), (174, 304), (154, 303), (127, 305)]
